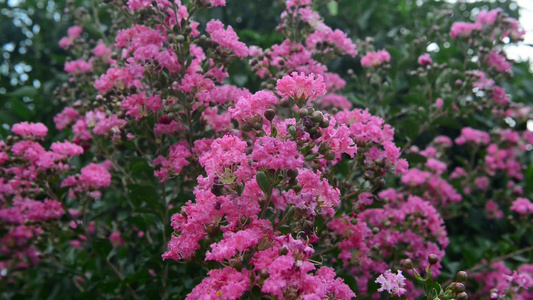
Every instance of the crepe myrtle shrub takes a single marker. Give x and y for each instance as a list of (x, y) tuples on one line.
[(172, 182)]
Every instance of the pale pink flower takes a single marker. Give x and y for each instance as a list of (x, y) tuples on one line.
[(392, 283)]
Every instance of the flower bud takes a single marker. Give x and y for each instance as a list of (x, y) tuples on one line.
[(246, 127), (257, 126), (292, 173), (324, 124), (462, 276), (303, 112), (180, 38), (297, 188), (283, 251), (317, 116), (433, 259), (408, 264), (284, 102), (270, 114), (459, 287), (375, 230), (293, 181), (292, 130), (462, 296)]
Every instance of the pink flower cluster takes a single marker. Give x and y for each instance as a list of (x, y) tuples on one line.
[(299, 86), (374, 59), (73, 33)]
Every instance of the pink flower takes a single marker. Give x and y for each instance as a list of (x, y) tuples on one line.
[(66, 148), (499, 95), (439, 103), (140, 105), (135, 5), (233, 243), (392, 283), (215, 2), (116, 239), (74, 32), (176, 161), (424, 59), (27, 129), (301, 87), (276, 154), (485, 17), (226, 38), (436, 165), (374, 59), (78, 66), (365, 198), (522, 206), (493, 211), (65, 117), (335, 37), (462, 29), (482, 183), (95, 176), (251, 108), (226, 283), (334, 100), (472, 135), (498, 62), (481, 81), (101, 50)]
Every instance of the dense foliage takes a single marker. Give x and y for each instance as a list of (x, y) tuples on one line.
[(264, 150)]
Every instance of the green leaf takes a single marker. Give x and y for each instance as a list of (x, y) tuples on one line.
[(102, 247), (25, 91), (333, 8), (139, 194), (446, 122), (263, 182), (414, 158)]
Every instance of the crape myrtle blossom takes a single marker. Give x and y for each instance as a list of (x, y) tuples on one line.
[(374, 59), (301, 87), (24, 206), (261, 191), (522, 206), (394, 284)]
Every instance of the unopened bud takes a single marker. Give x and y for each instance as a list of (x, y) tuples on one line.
[(292, 173), (317, 116), (462, 276), (459, 287), (408, 264), (284, 102), (433, 259), (257, 126), (270, 114)]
